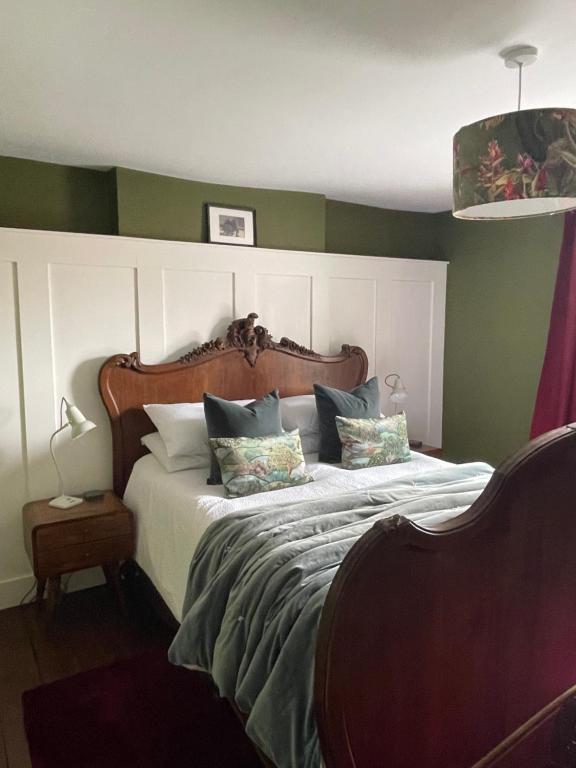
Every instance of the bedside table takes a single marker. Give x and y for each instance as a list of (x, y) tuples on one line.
[(60, 541), (429, 450)]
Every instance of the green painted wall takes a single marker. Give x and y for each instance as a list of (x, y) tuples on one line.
[(37, 195), (500, 285), (46, 196), (370, 231), (500, 278), (164, 207)]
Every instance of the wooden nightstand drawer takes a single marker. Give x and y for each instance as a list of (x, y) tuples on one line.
[(83, 530), (99, 532), (75, 557)]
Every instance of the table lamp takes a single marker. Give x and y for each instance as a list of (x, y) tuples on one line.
[(399, 392), (79, 425)]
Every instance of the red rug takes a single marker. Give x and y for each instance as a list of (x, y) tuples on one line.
[(141, 712)]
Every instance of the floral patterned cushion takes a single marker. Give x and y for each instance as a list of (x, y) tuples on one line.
[(372, 442), (256, 464)]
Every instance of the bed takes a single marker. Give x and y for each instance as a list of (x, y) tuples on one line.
[(478, 666), (174, 511)]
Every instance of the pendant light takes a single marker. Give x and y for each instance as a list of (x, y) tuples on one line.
[(517, 164)]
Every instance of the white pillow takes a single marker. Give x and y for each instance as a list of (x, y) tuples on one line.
[(182, 426), (300, 412), (157, 448), (310, 443)]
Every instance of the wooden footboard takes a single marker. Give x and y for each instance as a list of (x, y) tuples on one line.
[(438, 645)]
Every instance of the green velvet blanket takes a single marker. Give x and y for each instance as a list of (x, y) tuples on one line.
[(256, 588)]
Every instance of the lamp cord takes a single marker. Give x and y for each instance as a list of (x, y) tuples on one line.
[(520, 67)]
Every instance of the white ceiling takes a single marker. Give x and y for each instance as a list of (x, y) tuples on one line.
[(354, 100)]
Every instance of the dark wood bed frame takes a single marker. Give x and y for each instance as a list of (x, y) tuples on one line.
[(451, 647)]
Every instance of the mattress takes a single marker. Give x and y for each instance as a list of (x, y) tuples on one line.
[(174, 509)]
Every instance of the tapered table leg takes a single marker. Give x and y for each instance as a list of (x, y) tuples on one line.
[(54, 593), (40, 587), (112, 574)]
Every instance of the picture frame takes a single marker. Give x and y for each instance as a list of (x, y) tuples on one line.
[(231, 225)]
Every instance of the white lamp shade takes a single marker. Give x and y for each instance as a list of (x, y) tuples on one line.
[(79, 424), (80, 429), (399, 392)]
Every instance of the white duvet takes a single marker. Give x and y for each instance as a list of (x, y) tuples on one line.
[(174, 509)]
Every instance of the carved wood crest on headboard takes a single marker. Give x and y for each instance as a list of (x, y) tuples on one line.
[(252, 339), (245, 364), (242, 335)]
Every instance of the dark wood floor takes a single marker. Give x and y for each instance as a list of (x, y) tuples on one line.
[(87, 631)]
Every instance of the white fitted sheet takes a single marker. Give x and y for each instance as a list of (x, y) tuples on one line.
[(174, 509)]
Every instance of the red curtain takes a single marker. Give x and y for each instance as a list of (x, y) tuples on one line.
[(556, 399)]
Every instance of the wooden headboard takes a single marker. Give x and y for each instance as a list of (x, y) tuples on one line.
[(246, 364)]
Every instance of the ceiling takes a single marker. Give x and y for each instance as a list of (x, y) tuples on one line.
[(355, 100)]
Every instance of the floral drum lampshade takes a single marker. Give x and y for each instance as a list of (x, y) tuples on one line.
[(516, 165)]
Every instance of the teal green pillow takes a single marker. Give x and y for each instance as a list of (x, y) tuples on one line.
[(227, 419), (255, 464), (373, 442), (363, 402)]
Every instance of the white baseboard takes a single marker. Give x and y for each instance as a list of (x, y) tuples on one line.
[(13, 590)]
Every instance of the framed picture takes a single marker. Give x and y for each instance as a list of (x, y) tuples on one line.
[(232, 226)]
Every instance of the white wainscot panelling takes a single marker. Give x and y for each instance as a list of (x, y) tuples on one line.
[(410, 314), (352, 304), (93, 317), (197, 306), (69, 301), (284, 306), (13, 561)]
